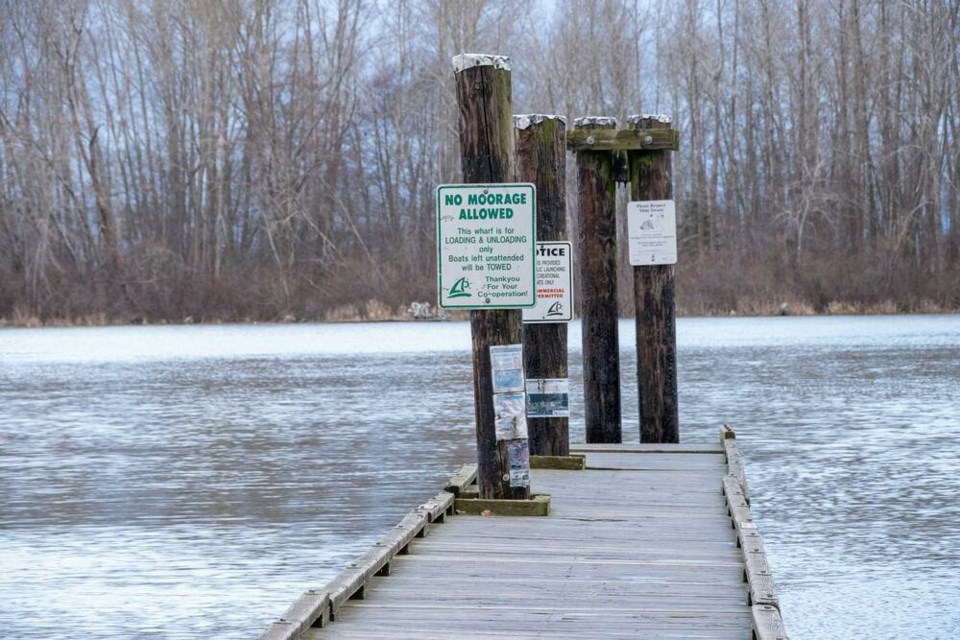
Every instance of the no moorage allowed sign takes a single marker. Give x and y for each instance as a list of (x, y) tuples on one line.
[(486, 237)]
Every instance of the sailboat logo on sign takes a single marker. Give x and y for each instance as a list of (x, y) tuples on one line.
[(459, 289), (556, 309)]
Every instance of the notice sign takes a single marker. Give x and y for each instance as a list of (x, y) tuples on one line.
[(486, 236), (652, 231), (548, 398), (554, 290)]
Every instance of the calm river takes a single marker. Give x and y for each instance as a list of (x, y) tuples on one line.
[(191, 482)]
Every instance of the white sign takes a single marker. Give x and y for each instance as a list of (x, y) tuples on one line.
[(510, 419), (652, 231), (486, 236), (554, 289), (506, 365)]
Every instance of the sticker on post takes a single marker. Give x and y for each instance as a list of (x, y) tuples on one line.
[(519, 453), (510, 415), (548, 398), (506, 364), (652, 232)]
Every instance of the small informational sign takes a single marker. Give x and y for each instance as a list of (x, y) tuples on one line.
[(548, 398), (509, 399), (652, 231), (554, 287), (519, 454), (486, 235), (506, 364), (511, 419)]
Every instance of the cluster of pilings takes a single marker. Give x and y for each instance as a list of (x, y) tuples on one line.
[(496, 149)]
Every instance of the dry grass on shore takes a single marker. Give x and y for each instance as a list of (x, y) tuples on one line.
[(800, 308)]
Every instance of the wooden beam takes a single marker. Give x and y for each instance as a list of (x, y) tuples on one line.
[(536, 505), (571, 462), (624, 140)]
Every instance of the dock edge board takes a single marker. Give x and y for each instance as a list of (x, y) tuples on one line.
[(761, 590)]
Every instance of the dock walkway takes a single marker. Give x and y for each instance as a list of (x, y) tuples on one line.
[(650, 541)]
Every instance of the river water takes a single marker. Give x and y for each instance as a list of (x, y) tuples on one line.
[(191, 482)]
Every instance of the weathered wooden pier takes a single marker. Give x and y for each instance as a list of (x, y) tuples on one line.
[(646, 541), (651, 540)]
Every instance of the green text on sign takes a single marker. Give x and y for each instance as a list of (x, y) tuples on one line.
[(486, 246)]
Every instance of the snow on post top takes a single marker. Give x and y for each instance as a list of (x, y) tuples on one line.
[(468, 60), (524, 121), (595, 122), (658, 117)]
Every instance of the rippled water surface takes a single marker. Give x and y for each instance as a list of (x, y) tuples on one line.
[(187, 482)]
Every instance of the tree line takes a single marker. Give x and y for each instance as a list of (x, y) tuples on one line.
[(263, 159)]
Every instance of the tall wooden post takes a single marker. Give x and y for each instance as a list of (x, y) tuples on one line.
[(596, 188), (541, 159), (484, 89), (654, 289)]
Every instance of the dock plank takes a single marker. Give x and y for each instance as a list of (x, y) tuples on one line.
[(649, 587), (684, 448), (683, 464), (472, 621)]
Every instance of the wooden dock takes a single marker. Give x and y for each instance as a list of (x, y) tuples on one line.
[(649, 541)]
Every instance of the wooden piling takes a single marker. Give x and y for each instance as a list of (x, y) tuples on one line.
[(541, 159), (654, 289), (483, 86), (596, 188)]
